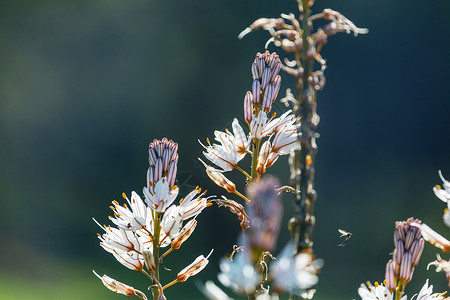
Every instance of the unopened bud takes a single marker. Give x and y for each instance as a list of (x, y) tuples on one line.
[(219, 179), (390, 277), (405, 267), (184, 234), (194, 268), (265, 77), (119, 287), (256, 91), (262, 158), (416, 251), (149, 260), (268, 98), (248, 107)]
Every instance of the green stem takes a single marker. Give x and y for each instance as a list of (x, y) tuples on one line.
[(255, 154), (156, 234), (399, 290)]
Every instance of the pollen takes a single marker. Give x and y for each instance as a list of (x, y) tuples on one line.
[(124, 196), (438, 186), (308, 160)]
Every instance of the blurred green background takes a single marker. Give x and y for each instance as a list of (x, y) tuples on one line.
[(86, 85)]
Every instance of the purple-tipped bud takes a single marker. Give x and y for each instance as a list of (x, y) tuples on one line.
[(405, 267), (255, 73), (260, 61), (409, 238), (163, 158), (248, 107), (256, 91), (172, 173), (398, 253), (275, 69), (268, 98), (416, 251), (390, 277), (277, 84), (265, 77)]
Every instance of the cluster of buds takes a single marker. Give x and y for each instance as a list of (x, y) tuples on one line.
[(281, 133), (408, 249), (146, 226), (286, 33), (265, 212), (266, 83)]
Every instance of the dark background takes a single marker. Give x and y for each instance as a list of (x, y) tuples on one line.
[(86, 85)]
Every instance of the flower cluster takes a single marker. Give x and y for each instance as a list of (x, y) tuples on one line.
[(381, 292), (247, 272), (408, 249), (280, 132), (144, 226)]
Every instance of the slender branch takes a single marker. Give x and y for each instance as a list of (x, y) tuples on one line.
[(243, 172), (242, 196)]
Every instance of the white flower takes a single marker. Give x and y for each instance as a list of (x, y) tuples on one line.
[(443, 192), (240, 140), (118, 239), (191, 205), (377, 292), (133, 219), (171, 222), (260, 127), (161, 195), (286, 120), (213, 292), (425, 293), (238, 274), (294, 273), (284, 141), (124, 245), (267, 297)]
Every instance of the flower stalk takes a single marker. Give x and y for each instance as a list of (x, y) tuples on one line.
[(157, 232), (302, 159)]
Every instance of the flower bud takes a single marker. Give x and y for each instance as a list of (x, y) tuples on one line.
[(256, 91), (194, 268), (262, 158), (184, 234), (149, 260), (219, 179), (119, 287), (248, 107)]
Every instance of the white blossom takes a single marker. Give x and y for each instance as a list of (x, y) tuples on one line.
[(239, 274), (161, 195), (294, 273)]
